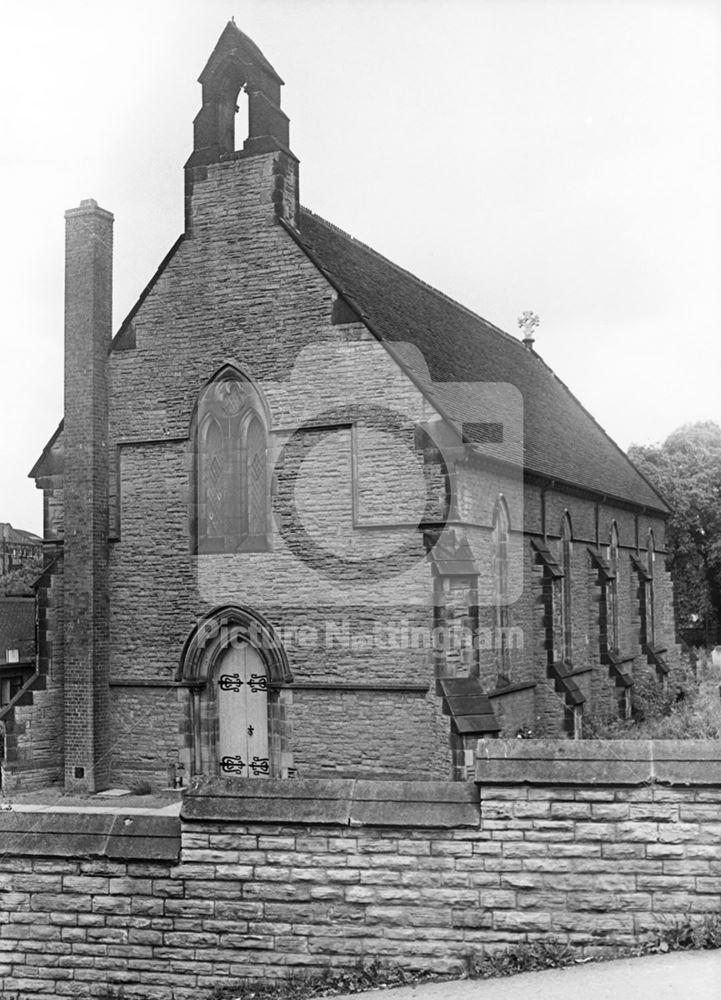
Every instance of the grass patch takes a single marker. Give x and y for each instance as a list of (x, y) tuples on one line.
[(685, 935), (531, 956), (370, 975), (549, 953), (141, 787), (688, 708), (546, 953)]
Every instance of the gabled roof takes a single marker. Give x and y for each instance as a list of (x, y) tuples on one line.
[(233, 41), (562, 441), (47, 463), (17, 535)]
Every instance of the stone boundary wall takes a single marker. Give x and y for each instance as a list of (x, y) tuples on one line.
[(595, 843)]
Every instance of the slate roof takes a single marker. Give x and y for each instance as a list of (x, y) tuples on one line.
[(562, 441), (17, 535), (464, 700)]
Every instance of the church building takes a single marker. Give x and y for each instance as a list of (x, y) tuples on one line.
[(306, 516)]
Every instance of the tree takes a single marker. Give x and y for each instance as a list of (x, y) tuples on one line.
[(686, 469)]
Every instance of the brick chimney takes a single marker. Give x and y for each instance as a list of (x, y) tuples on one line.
[(88, 330), (270, 181)]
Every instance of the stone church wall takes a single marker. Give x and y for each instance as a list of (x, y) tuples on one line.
[(237, 290), (214, 305)]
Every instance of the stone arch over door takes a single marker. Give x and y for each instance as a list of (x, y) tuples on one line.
[(236, 672)]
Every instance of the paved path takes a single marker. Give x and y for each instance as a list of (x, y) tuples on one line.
[(113, 801), (173, 809), (692, 975)]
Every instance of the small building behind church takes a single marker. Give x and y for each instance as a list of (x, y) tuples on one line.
[(17, 645), (17, 548), (306, 516)]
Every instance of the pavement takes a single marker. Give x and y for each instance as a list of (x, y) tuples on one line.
[(115, 800), (695, 975)]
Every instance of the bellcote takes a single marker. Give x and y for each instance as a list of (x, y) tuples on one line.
[(236, 65)]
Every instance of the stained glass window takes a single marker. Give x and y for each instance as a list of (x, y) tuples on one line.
[(230, 500), (214, 486), (255, 476)]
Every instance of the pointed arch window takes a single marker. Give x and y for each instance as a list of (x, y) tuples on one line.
[(612, 593), (613, 638), (499, 575), (230, 482), (647, 600), (649, 588), (566, 546)]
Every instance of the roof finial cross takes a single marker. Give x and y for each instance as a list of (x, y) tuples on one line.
[(528, 321)]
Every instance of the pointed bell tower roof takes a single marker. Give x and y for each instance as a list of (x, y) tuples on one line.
[(236, 64)]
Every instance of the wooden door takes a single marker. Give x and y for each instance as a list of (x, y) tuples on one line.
[(242, 714)]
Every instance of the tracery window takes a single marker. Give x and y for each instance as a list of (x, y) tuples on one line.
[(230, 501)]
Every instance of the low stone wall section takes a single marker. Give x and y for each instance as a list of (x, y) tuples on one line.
[(592, 843)]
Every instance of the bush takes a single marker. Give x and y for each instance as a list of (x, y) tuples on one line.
[(141, 787), (689, 708), (547, 953), (368, 975), (686, 935)]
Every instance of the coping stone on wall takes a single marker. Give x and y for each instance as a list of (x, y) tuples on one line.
[(598, 762), (105, 835), (334, 801), (439, 804), (269, 800), (687, 762)]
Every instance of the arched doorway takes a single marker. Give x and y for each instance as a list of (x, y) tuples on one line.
[(236, 673), (242, 700)]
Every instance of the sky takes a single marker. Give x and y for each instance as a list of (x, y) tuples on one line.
[(560, 156)]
